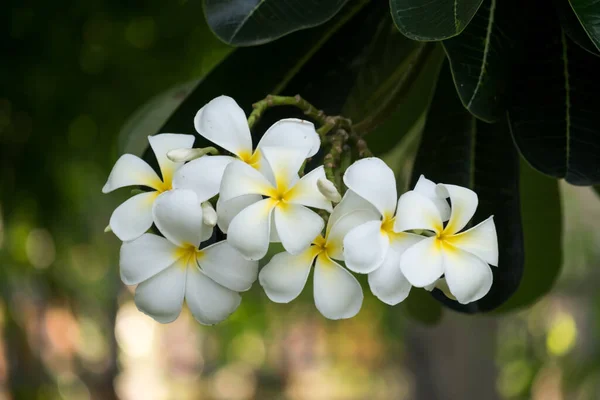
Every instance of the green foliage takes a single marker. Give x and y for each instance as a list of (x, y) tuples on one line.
[(588, 13), (458, 149), (252, 22)]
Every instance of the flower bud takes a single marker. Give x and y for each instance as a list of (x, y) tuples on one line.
[(107, 229), (185, 154), (209, 215), (328, 189)]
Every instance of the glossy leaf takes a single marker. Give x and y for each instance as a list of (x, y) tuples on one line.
[(542, 227), (433, 19), (458, 149), (588, 13), (253, 22), (554, 109), (480, 58), (573, 28)]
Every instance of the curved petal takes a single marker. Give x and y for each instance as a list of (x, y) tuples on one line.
[(130, 170), (249, 231), (284, 277), (416, 211), (464, 203), (161, 297), (306, 192), (428, 188), (145, 257), (240, 179), (337, 293), (206, 232), (350, 202), (297, 226), (209, 302), (387, 282), (226, 266), (442, 285), (403, 240), (178, 216), (335, 238), (227, 210), (134, 217), (163, 143), (469, 278), (292, 132), (365, 247), (285, 164), (374, 181), (480, 240), (422, 263), (224, 123), (202, 175)]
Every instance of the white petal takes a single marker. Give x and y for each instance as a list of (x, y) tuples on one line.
[(416, 211), (285, 164), (207, 232), (292, 132), (226, 210), (337, 293), (134, 217), (130, 170), (480, 240), (350, 202), (335, 238), (297, 226), (240, 179), (178, 216), (226, 266), (162, 144), (202, 175), (400, 242), (442, 285), (428, 188), (387, 282), (223, 122), (469, 278), (374, 181), (284, 277), (161, 297), (249, 231), (209, 302), (306, 192), (464, 203), (145, 257), (422, 263), (365, 247)]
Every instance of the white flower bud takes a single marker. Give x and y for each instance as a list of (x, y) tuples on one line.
[(183, 155), (328, 189), (107, 229), (209, 215)]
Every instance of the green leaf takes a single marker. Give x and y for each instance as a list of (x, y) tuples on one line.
[(253, 22), (554, 114), (480, 59), (433, 19), (588, 12), (421, 307), (458, 149), (542, 227), (573, 28)]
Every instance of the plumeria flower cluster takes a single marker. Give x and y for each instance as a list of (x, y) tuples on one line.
[(259, 196)]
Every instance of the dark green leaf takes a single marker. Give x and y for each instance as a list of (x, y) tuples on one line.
[(554, 114), (588, 12), (458, 149), (421, 307), (542, 227), (480, 59), (433, 19), (572, 27), (252, 22)]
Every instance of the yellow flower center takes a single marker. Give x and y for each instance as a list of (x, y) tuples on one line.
[(252, 159), (387, 225), (187, 254)]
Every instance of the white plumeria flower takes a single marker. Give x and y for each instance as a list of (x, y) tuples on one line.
[(170, 269), (223, 122), (375, 247), (462, 258), (134, 217), (336, 292), (282, 215)]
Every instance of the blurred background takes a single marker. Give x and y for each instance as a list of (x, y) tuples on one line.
[(70, 76)]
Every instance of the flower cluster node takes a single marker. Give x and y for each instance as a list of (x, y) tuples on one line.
[(263, 196)]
